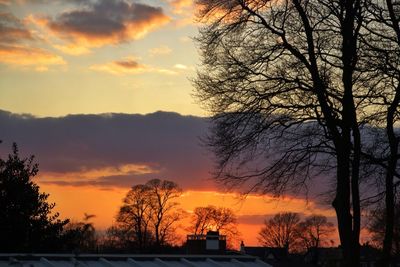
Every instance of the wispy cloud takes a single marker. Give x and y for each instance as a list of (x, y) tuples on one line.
[(29, 57), (129, 66), (72, 49), (181, 6), (16, 46), (184, 11), (181, 66), (12, 29)]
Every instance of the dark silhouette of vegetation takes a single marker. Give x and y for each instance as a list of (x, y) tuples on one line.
[(27, 220), (286, 230), (280, 231), (134, 218), (381, 59), (314, 232), (377, 228), (80, 237), (147, 218), (164, 214), (291, 86), (211, 218)]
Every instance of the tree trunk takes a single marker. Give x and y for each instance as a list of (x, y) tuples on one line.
[(389, 196), (157, 233), (349, 176), (341, 204)]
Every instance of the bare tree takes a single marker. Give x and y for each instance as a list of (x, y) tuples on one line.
[(313, 231), (382, 61), (148, 215), (281, 81), (280, 231), (162, 195), (214, 218), (377, 228), (135, 214), (202, 220)]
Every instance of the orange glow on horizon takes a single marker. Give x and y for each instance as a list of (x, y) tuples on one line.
[(72, 202)]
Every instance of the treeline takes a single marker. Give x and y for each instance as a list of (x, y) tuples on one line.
[(287, 230), (147, 221)]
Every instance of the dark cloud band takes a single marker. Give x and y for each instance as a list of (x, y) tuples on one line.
[(167, 143)]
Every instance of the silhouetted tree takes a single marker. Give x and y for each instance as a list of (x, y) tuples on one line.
[(280, 231), (80, 236), (377, 227), (147, 217), (164, 213), (281, 81), (214, 218), (381, 61), (313, 232), (134, 216), (27, 223), (119, 239)]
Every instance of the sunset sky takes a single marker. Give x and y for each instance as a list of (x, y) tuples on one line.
[(99, 91)]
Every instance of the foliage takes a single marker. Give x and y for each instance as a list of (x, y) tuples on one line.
[(27, 223), (80, 236)]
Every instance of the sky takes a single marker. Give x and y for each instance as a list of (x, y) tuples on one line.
[(100, 92), (95, 56)]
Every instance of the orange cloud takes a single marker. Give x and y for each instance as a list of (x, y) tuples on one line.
[(12, 29), (93, 174), (27, 56), (209, 11), (181, 6), (128, 66), (12, 35), (15, 47), (72, 49), (205, 11), (184, 10), (104, 23)]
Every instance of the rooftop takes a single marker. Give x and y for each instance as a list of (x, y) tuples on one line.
[(128, 260)]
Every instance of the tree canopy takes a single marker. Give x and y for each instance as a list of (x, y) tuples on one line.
[(280, 231), (27, 220), (214, 218), (293, 86), (287, 230), (147, 217)]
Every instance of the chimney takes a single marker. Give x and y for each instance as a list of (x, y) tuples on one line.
[(212, 240), (242, 250), (211, 243)]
